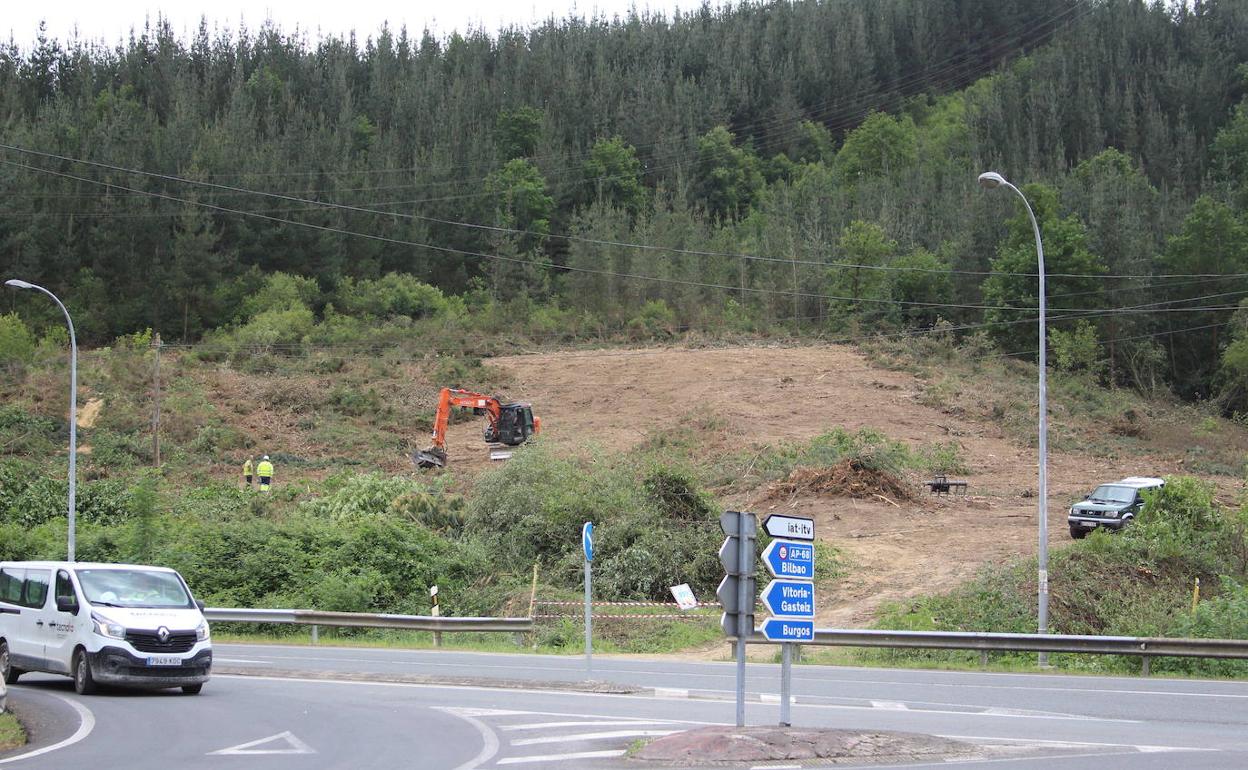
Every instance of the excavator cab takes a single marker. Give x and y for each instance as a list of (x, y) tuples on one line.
[(515, 425)]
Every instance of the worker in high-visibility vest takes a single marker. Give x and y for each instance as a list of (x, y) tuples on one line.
[(247, 473), (265, 471)]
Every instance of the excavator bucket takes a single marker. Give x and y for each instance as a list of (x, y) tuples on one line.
[(429, 458)]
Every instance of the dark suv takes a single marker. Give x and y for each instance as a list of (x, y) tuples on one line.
[(1111, 506)]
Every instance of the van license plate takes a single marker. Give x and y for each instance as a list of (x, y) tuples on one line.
[(164, 660)]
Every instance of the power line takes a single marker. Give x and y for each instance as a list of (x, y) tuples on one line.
[(513, 260), (514, 231), (463, 252)]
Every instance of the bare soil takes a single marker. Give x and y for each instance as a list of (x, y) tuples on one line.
[(758, 397)]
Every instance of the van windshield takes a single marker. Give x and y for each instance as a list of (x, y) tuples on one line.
[(133, 588), (1107, 493)]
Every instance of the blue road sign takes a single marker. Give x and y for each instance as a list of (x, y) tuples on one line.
[(587, 540), (790, 598), (785, 630), (787, 559)]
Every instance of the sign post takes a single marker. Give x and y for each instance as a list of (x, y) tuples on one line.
[(587, 545), (790, 598), (435, 611), (736, 590)]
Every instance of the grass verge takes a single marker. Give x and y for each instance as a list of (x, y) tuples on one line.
[(561, 637), (11, 733)]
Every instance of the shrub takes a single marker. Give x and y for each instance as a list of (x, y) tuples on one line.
[(394, 294), (17, 343), (655, 319), (366, 495), (355, 402), (217, 439), (271, 328), (112, 451), (655, 529), (1224, 616), (944, 458), (281, 292)]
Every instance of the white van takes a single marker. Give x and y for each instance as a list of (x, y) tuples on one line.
[(122, 624)]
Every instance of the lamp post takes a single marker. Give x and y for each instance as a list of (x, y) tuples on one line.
[(991, 180), (73, 403)]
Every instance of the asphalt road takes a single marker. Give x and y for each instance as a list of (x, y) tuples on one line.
[(1021, 720)]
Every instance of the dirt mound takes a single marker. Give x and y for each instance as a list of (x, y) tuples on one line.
[(848, 478)]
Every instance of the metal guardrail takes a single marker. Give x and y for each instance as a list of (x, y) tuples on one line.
[(369, 620), (983, 642), (995, 642)]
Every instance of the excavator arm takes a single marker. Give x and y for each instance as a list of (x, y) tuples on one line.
[(435, 456)]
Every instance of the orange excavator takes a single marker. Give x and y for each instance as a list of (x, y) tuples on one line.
[(508, 423)]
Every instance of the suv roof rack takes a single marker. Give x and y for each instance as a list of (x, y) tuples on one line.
[(1142, 481)]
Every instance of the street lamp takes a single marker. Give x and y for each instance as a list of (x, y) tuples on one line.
[(991, 180), (73, 402)]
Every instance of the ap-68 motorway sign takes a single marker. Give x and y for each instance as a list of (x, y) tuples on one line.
[(787, 559)]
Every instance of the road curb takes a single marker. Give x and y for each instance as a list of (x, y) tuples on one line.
[(603, 688), (595, 687), (737, 746)]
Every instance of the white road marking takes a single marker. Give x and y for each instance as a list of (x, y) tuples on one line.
[(287, 739), (1074, 744), (593, 736), (561, 757), (889, 705), (1004, 760), (86, 723), (612, 696), (459, 687), (670, 692), (571, 664), (488, 738), (480, 712), (237, 660), (591, 723)]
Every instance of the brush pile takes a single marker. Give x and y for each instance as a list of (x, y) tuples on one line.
[(848, 478)]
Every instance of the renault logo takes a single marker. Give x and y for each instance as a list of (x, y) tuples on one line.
[(162, 634)]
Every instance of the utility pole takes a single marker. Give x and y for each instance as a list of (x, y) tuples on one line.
[(156, 402)]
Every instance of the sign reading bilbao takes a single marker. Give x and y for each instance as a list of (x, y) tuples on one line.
[(790, 559)]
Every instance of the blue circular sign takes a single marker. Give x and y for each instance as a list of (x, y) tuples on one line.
[(587, 540)]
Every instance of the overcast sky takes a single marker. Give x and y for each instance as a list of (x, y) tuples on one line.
[(112, 20)]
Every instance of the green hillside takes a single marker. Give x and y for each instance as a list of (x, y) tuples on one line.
[(808, 165)]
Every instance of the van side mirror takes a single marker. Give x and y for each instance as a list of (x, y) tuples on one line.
[(67, 604), (200, 604)]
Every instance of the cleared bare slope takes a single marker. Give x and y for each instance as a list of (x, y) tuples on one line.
[(755, 397)]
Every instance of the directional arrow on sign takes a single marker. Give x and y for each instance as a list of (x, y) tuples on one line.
[(792, 527), (785, 630), (791, 598), (727, 593), (787, 559)]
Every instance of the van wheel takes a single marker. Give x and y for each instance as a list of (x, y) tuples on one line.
[(7, 671), (192, 689), (84, 682)]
